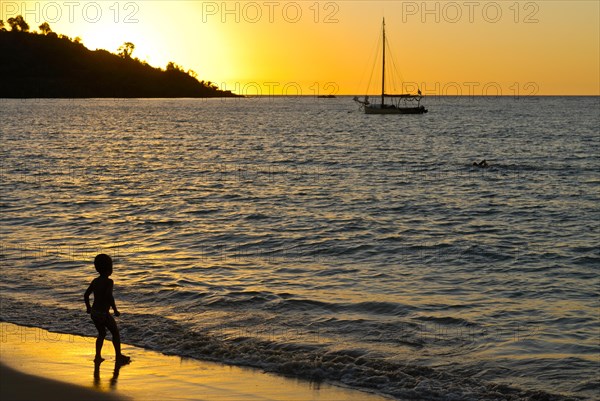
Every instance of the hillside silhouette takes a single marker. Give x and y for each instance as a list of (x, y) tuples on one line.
[(47, 65)]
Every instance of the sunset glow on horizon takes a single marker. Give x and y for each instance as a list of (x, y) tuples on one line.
[(309, 47)]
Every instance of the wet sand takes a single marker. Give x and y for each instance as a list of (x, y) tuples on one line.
[(49, 366)]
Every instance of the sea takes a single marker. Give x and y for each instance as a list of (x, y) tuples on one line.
[(300, 236)]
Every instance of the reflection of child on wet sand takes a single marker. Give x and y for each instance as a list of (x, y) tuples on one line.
[(102, 288)]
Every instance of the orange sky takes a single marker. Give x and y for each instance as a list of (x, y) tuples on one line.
[(471, 47)]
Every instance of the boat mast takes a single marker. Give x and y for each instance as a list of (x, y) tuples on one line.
[(383, 66)]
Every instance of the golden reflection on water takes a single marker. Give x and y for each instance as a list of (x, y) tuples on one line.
[(290, 213)]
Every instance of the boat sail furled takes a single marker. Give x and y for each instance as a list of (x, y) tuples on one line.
[(399, 104)]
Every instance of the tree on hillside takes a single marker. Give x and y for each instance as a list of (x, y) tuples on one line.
[(18, 24), (171, 66), (126, 50), (45, 28)]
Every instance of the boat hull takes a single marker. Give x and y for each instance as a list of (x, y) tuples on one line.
[(395, 110)]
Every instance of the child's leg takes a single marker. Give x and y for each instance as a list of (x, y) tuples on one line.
[(100, 339), (116, 337), (111, 325)]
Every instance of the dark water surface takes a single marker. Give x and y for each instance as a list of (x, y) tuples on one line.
[(306, 238)]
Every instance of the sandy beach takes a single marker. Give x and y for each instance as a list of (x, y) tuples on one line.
[(37, 364), (17, 386)]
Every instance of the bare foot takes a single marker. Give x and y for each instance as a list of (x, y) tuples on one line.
[(98, 359), (123, 360)]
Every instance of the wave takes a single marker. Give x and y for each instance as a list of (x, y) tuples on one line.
[(288, 303), (353, 367), (447, 320)]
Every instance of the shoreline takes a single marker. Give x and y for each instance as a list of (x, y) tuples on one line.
[(65, 363)]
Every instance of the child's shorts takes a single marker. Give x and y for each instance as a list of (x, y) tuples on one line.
[(100, 317)]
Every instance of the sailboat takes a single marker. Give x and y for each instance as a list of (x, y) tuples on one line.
[(399, 104)]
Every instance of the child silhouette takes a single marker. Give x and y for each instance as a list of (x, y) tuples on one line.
[(102, 288)]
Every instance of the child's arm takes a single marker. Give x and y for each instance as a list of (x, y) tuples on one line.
[(86, 298), (112, 299)]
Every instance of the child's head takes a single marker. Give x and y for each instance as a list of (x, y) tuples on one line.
[(103, 264)]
